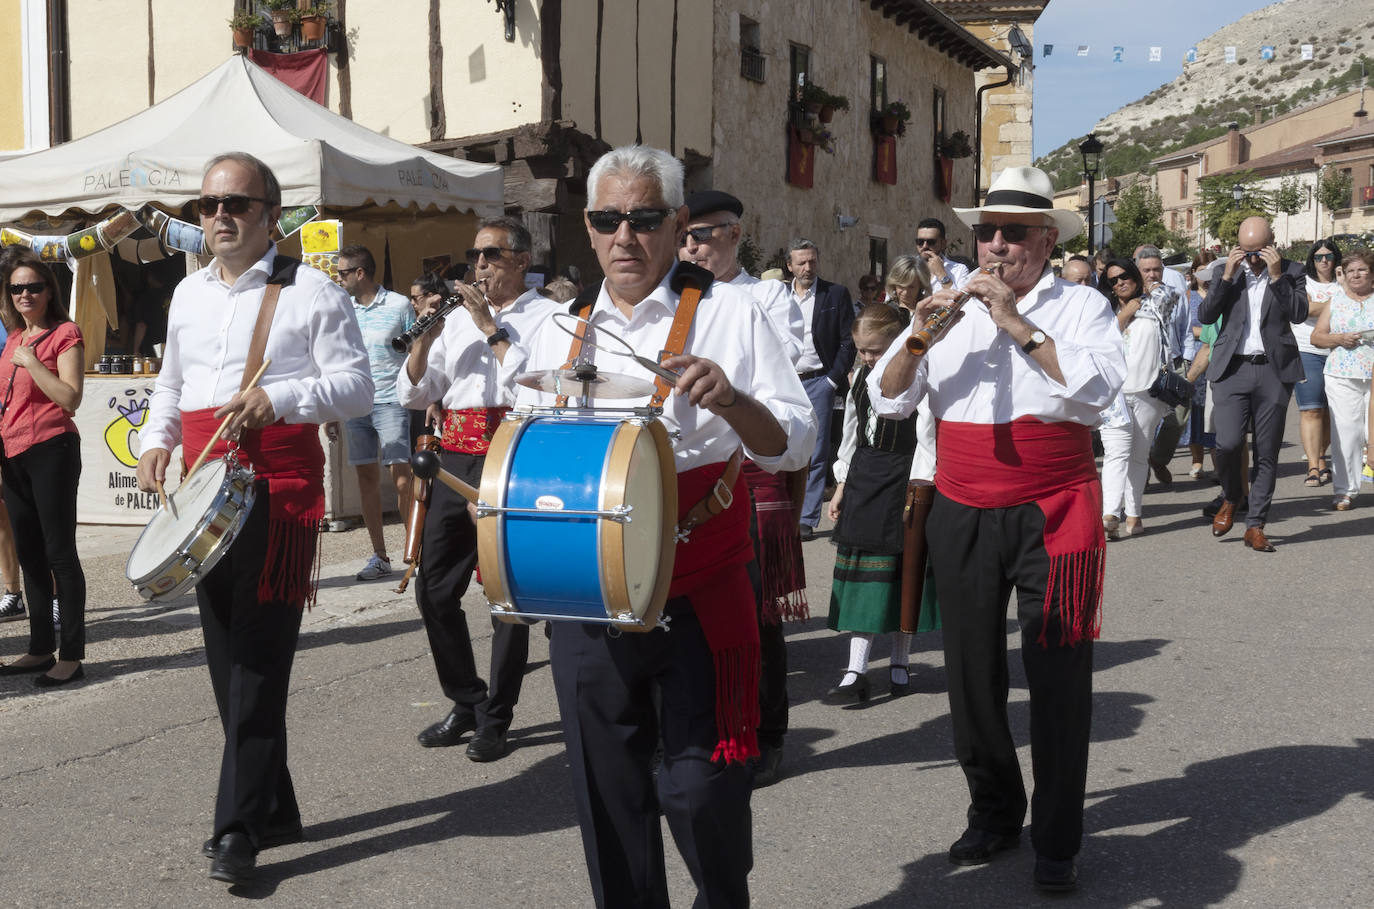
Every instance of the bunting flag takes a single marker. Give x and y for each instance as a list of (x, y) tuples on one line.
[(1191, 56), (1117, 51), (1082, 50), (1267, 52), (1156, 54), (1307, 52), (1049, 49), (1230, 53)]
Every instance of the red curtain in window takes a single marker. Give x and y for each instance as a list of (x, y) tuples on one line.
[(306, 71)]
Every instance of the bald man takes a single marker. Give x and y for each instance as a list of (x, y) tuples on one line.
[(1254, 366), (1078, 270)]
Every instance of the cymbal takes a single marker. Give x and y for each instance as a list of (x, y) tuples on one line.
[(598, 384)]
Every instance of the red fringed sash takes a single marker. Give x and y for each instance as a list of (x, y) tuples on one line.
[(290, 459), (709, 570), (779, 554), (1051, 464), (469, 431)]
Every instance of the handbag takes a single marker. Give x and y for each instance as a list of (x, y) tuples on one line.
[(1169, 386)]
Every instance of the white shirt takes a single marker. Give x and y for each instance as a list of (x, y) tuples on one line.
[(319, 370), (463, 371), (1255, 286), (978, 374), (728, 330), (809, 360), (1319, 295), (958, 272), (922, 460), (781, 307)]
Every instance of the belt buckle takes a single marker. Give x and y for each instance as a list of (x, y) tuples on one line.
[(722, 494)]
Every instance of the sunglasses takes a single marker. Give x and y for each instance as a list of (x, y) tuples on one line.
[(931, 241), (36, 288), (1012, 233), (1323, 257), (233, 205), (699, 234), (1257, 254), (490, 253), (1112, 280), (642, 220)]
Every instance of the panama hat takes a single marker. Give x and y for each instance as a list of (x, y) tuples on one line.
[(1024, 191)]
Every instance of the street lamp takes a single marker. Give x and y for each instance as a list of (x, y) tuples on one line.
[(1238, 194), (1091, 149)]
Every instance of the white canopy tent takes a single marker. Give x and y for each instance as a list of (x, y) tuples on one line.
[(319, 157)]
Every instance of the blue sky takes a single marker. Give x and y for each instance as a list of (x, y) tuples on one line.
[(1072, 93)]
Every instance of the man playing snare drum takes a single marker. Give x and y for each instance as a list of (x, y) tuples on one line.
[(736, 390), (251, 601)]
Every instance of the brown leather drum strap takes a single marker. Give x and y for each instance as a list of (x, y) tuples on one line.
[(257, 349), (677, 339), (575, 349)]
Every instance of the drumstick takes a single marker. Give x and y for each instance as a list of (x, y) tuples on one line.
[(219, 430), (167, 501)]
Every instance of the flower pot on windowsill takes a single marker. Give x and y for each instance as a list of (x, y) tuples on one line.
[(243, 37), (312, 27), (281, 22), (890, 125), (826, 113)]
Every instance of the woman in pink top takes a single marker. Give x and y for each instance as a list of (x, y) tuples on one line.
[(41, 380)]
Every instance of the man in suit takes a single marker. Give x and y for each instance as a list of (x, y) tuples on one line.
[(1254, 367), (827, 355)]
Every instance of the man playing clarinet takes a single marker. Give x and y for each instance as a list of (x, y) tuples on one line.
[(1016, 385)]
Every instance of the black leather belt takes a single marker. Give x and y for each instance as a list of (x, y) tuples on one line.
[(812, 374), (1257, 359)]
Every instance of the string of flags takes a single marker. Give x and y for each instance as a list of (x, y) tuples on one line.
[(1156, 53)]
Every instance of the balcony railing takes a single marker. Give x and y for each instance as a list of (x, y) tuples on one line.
[(751, 65)]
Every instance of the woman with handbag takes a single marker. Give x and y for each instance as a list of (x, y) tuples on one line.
[(1346, 328), (42, 374), (1129, 425)]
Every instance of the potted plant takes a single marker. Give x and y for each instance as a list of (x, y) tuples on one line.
[(243, 26), (314, 20), (892, 119), (282, 13), (831, 104), (825, 140), (955, 145), (813, 97)]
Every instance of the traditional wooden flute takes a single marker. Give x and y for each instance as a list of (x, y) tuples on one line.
[(938, 321)]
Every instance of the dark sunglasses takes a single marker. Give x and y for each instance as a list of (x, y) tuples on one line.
[(1114, 279), (931, 241), (492, 254), (36, 288), (1257, 254), (233, 205), (642, 220), (1012, 233), (700, 234), (1323, 257)]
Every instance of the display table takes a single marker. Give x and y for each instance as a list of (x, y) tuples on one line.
[(113, 410)]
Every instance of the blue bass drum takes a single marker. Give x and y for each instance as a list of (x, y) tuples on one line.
[(576, 517)]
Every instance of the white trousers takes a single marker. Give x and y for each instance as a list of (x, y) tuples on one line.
[(1348, 400), (1126, 452)]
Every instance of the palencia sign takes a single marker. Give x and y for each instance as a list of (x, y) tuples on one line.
[(129, 177)]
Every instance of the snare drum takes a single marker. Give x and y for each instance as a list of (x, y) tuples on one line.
[(173, 553), (576, 517)]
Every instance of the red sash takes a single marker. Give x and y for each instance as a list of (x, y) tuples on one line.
[(469, 431), (782, 573), (1000, 465), (290, 459), (710, 571)]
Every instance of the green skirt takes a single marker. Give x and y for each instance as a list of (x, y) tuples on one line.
[(866, 594)]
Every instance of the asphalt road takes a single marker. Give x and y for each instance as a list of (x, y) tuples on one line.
[(1232, 760)]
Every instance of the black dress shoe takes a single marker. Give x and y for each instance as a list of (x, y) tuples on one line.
[(44, 666), (1055, 875), (47, 681), (449, 730), (767, 766), (856, 690), (899, 689), (978, 846), (487, 746), (281, 836), (234, 859)]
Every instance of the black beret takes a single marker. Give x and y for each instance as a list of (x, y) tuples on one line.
[(711, 200)]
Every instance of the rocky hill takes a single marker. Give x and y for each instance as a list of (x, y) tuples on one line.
[(1212, 93)]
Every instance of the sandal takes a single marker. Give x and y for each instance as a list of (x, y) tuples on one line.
[(1314, 477), (1324, 476)]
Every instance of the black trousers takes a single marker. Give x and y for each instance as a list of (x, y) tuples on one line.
[(980, 556), (249, 648), (606, 684), (40, 492), (1249, 392), (447, 557)]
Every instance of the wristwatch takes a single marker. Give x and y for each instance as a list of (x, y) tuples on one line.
[(1036, 339), (947, 281), (501, 334)]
